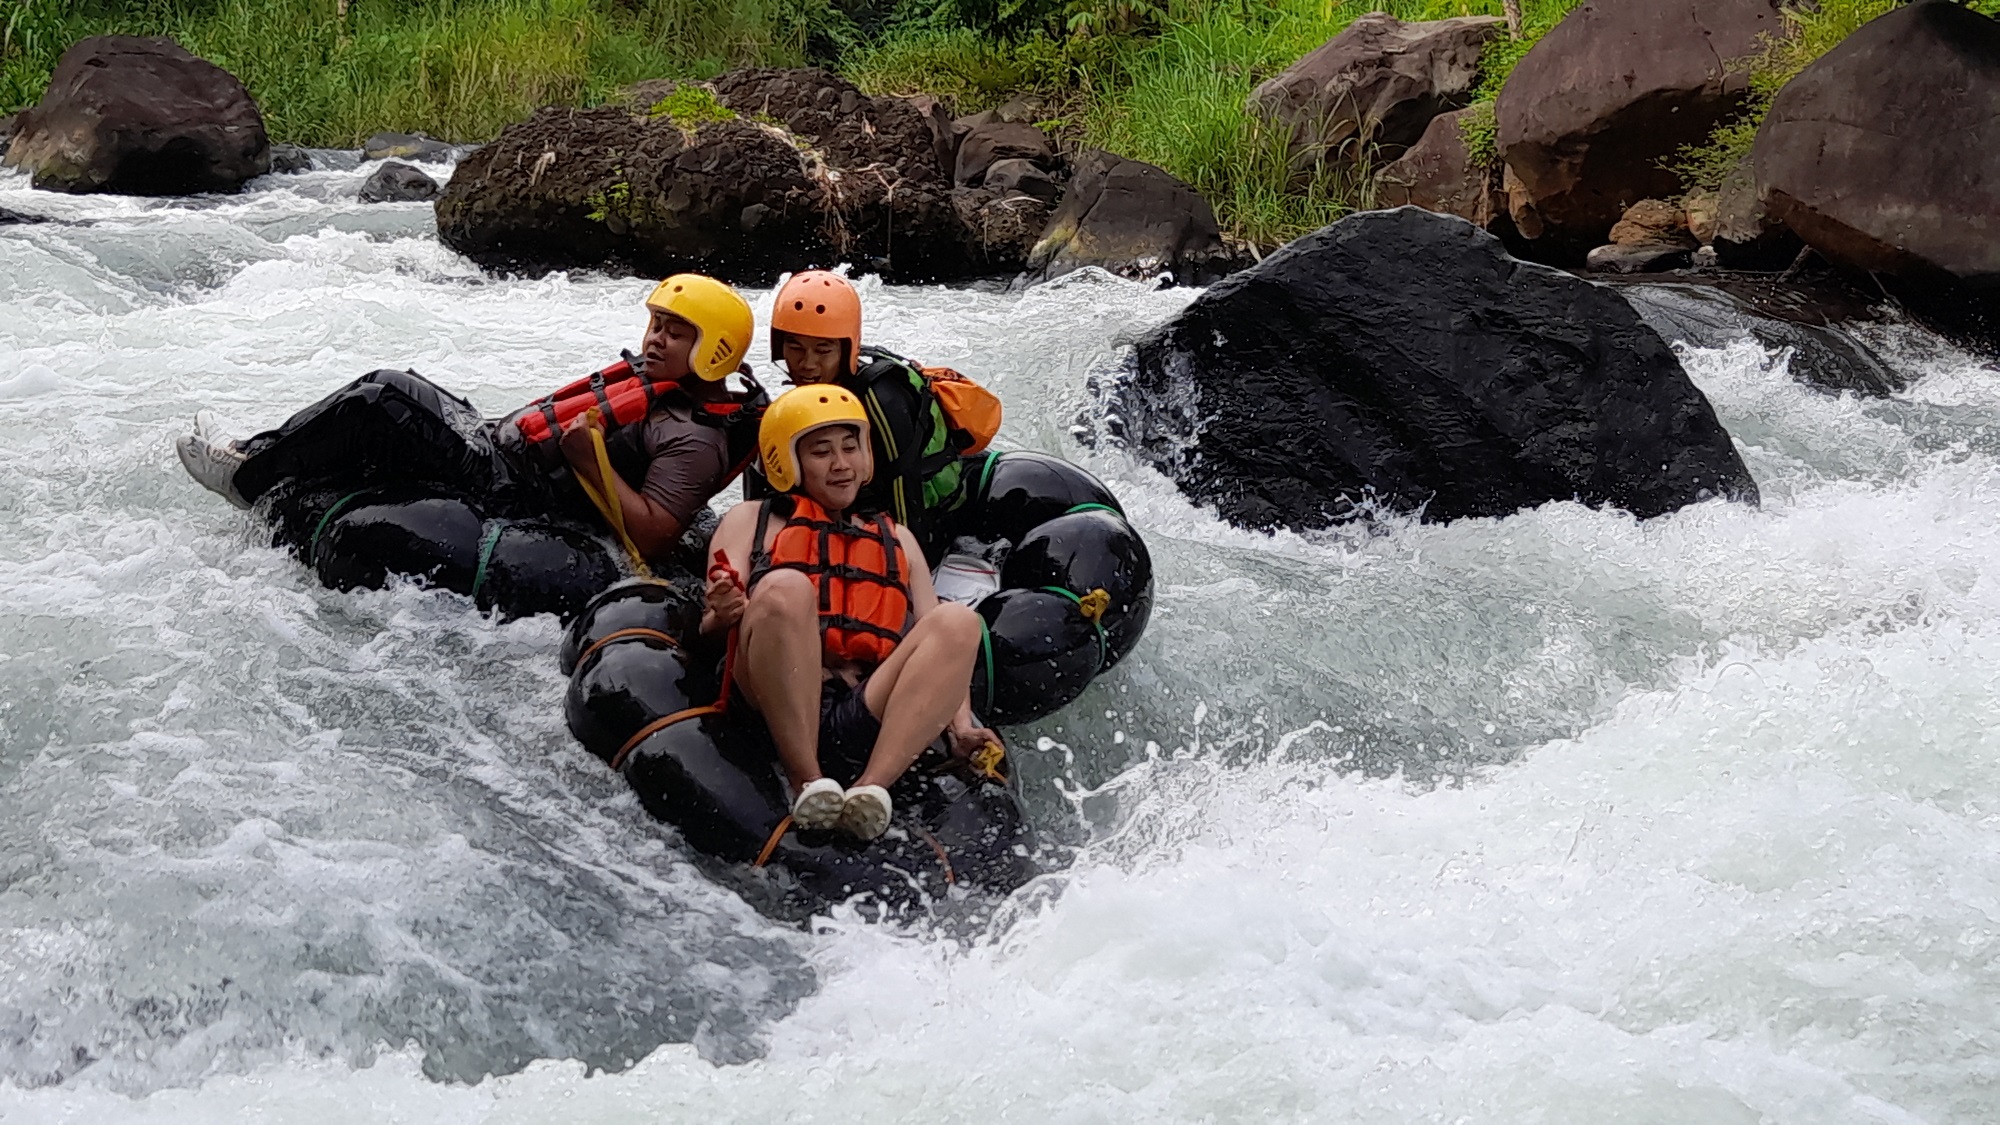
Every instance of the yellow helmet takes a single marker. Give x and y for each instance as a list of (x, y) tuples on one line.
[(798, 412), (722, 321)]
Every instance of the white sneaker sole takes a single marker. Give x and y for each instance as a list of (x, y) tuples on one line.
[(819, 805), (865, 815)]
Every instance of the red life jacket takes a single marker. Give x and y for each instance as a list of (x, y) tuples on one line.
[(623, 396), (859, 569)]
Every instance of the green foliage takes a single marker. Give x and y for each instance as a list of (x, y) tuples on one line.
[(690, 107), (971, 71), (613, 201), (1808, 34), (1178, 101), (457, 70), (1480, 131)]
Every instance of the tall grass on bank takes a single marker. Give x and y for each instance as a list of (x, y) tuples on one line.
[(1176, 97), (1808, 34), (457, 70)]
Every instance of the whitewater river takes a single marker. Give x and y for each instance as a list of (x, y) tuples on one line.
[(1554, 818)]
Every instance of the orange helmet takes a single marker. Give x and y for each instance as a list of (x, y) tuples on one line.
[(818, 303)]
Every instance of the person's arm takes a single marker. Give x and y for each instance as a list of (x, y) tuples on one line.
[(731, 546), (923, 595), (681, 477)]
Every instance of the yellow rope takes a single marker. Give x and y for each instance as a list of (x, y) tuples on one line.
[(988, 760), (606, 502), (1093, 605)]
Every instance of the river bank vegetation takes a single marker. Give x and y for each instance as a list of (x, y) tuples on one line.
[(1164, 81)]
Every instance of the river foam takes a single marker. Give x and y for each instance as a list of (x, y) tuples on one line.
[(1559, 817)]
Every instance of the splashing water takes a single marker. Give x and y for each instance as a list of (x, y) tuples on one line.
[(1559, 817)]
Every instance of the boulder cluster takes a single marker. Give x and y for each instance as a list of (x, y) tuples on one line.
[(1882, 158), (766, 170)]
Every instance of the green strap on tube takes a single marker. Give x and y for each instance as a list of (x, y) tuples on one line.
[(312, 547), (488, 539), (1103, 643)]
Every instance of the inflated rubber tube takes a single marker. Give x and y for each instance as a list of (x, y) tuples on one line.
[(671, 607), (712, 778), (358, 539), (1093, 549), (1012, 493), (1039, 653), (625, 684), (435, 538), (533, 566)]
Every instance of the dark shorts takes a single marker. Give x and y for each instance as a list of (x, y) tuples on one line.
[(846, 730)]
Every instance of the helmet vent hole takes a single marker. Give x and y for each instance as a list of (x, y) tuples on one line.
[(677, 288), (819, 308), (798, 305)]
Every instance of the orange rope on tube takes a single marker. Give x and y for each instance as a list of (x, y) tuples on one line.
[(771, 845), (655, 727), (620, 635)]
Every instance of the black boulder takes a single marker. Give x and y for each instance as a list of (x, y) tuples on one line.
[(1403, 358)]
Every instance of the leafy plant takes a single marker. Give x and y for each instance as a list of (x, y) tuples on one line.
[(690, 107), (1809, 32)]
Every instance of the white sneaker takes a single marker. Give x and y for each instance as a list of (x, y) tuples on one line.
[(865, 815), (208, 427), (212, 465), (818, 804)]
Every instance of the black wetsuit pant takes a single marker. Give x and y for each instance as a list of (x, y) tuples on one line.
[(387, 427)]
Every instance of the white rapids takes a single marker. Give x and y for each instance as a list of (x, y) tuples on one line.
[(1561, 817)]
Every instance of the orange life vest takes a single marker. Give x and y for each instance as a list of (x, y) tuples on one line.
[(623, 396), (859, 569)]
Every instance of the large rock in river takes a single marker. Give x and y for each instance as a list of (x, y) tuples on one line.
[(140, 116), (1376, 85), (1135, 220), (759, 172), (1884, 155), (1600, 103), (1403, 357)]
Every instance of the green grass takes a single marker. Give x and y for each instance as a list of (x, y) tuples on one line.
[(457, 70), (1178, 102), (1174, 96), (1808, 35)]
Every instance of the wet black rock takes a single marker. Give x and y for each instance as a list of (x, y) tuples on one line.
[(1811, 318), (1403, 358), (289, 160), (396, 182)]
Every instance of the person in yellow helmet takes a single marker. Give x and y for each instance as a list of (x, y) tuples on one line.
[(666, 418), (820, 578)]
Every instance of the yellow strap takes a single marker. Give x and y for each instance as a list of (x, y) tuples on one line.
[(606, 502), (988, 760)]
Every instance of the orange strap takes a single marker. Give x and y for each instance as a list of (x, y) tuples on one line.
[(620, 635), (944, 860), (656, 726), (771, 845)]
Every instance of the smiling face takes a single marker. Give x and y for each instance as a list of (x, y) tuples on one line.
[(668, 344), (814, 359), (833, 465)]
